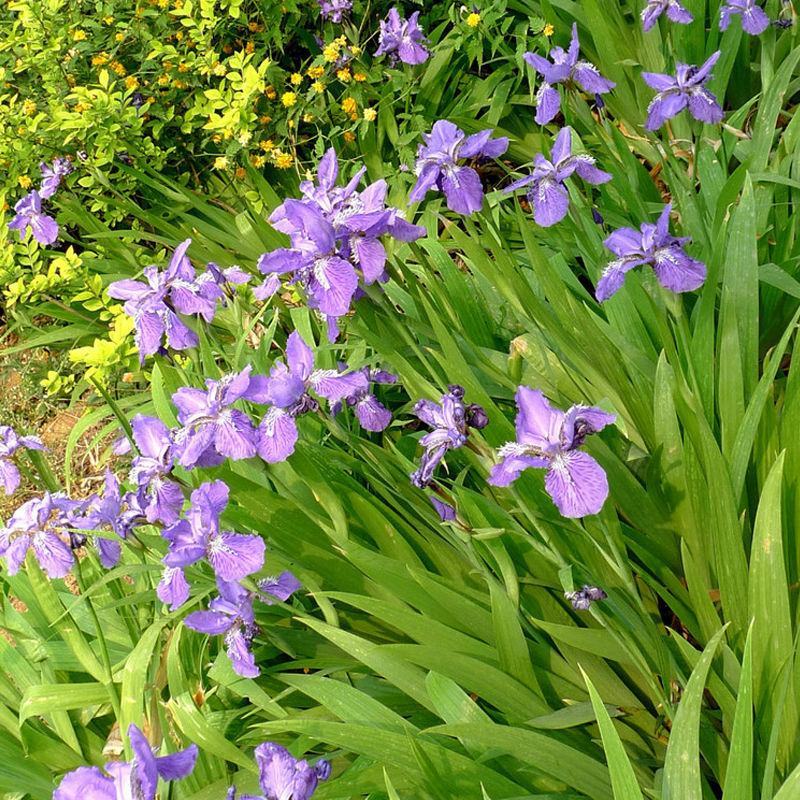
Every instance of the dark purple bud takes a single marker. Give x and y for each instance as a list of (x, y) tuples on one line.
[(456, 390), (137, 99), (445, 511), (476, 416), (783, 23), (598, 102), (322, 769), (583, 598), (76, 540), (597, 217)]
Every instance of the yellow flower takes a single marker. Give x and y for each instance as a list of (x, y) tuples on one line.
[(253, 27), (24, 181), (108, 20), (119, 37), (118, 68), (220, 162), (131, 82), (315, 72), (78, 35), (270, 92), (289, 99), (258, 161), (219, 69), (349, 105), (474, 19), (100, 59), (244, 138), (548, 30), (265, 119), (290, 123), (331, 52), (163, 80), (249, 48), (344, 74), (296, 79), (370, 114), (318, 87), (29, 108), (283, 160), (360, 77), (341, 41), (308, 117), (266, 145), (349, 137), (183, 67), (355, 50)]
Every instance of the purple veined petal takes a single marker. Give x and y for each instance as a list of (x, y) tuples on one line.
[(54, 557), (177, 765), (144, 774), (429, 412), (234, 435), (548, 104), (588, 77), (662, 224), (577, 484), (445, 511), (328, 169), (412, 52), (659, 81), (494, 148), (280, 261), (277, 767), (510, 466), (179, 265), (474, 144), (149, 333), (624, 242), (9, 476), (581, 421), (127, 289), (520, 183), (313, 223), (151, 436), (677, 271), (173, 588), (179, 335), (190, 401), (44, 228), (186, 546), (209, 500), (299, 356), (235, 556), (444, 136), (539, 63), (371, 258), (15, 552), (333, 285), (463, 190), (335, 386), (703, 72), (277, 436), (586, 169), (192, 444), (703, 106), (676, 12), (242, 659), (663, 107), (282, 587), (550, 202), (284, 388), (212, 623), (257, 390), (32, 443), (372, 414), (562, 147), (426, 180), (538, 424), (613, 276), (650, 14), (85, 783), (405, 231), (574, 46), (109, 552)]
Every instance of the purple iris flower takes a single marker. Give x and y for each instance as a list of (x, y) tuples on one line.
[(653, 245), (568, 70), (284, 777), (232, 556), (29, 215), (549, 438), (115, 511), (156, 303), (437, 165), (10, 443), (231, 615), (334, 10), (287, 390), (685, 90), (355, 219), (451, 420), (161, 498), (548, 195), (754, 19), (372, 414), (44, 525), (582, 599), (128, 780), (281, 587), (674, 10), (52, 175), (213, 430), (402, 39), (173, 588), (226, 278)]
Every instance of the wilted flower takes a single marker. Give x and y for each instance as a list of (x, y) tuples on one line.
[(653, 245), (52, 175), (565, 69), (402, 39), (10, 443), (372, 414), (438, 166), (212, 429), (334, 10), (29, 215), (287, 390), (548, 194), (548, 438), (675, 11), (583, 598), (685, 90), (232, 556), (44, 525), (128, 779), (754, 19), (231, 614), (451, 420)]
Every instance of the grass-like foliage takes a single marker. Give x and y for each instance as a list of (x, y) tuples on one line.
[(597, 605)]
